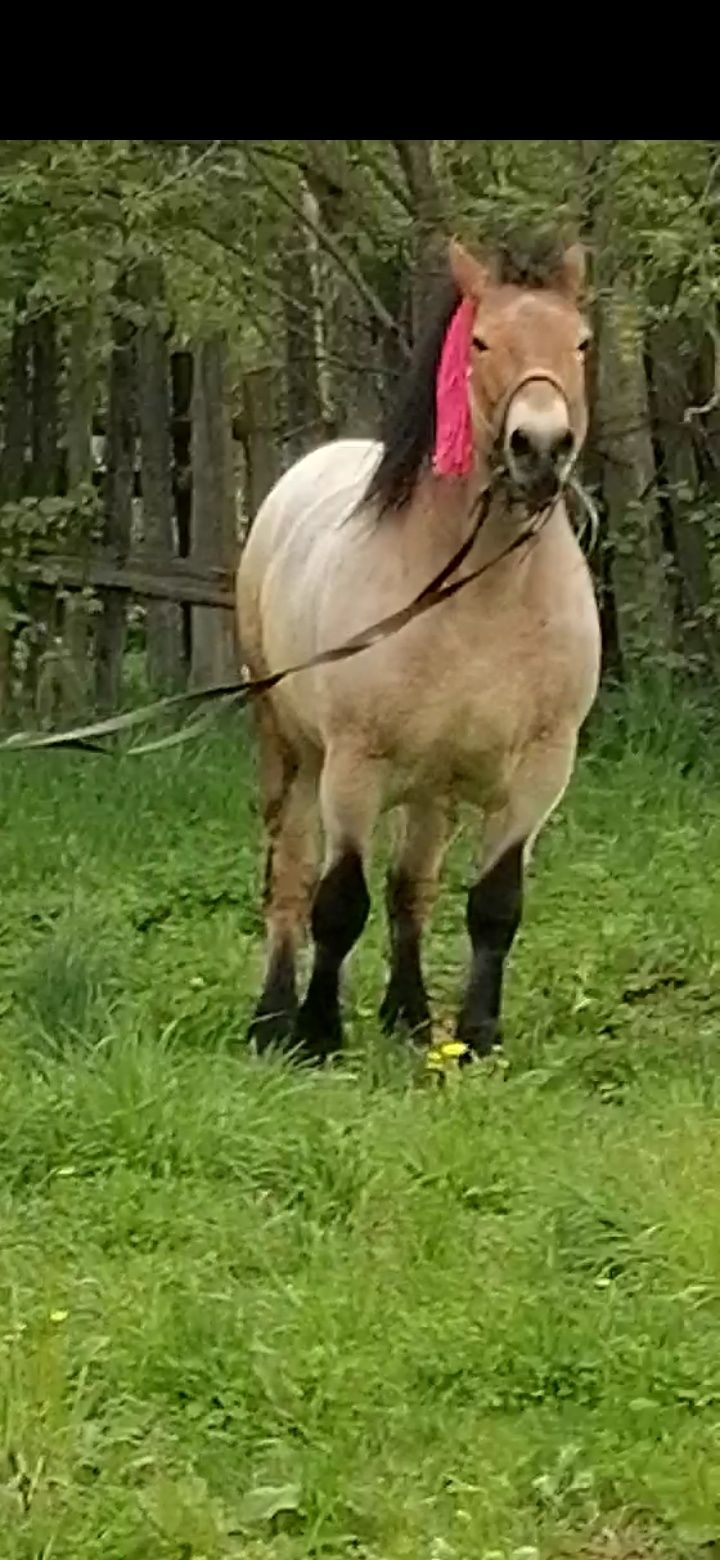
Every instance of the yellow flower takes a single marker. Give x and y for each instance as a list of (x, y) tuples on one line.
[(445, 1055)]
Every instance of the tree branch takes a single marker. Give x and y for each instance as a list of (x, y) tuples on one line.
[(691, 412), (362, 287)]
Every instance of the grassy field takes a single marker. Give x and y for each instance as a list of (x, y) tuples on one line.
[(249, 1312)]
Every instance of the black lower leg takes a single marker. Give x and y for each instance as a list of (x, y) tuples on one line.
[(339, 914), (405, 1002), (274, 1017), (493, 915)]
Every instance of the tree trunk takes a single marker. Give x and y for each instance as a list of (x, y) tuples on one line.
[(181, 378), (304, 403), (394, 284), (262, 467), (348, 335), (45, 452), (78, 436), (592, 471), (12, 481), (78, 440), (642, 600), (163, 620), (17, 416), (430, 237), (43, 605), (214, 652), (592, 163), (117, 521), (682, 484)]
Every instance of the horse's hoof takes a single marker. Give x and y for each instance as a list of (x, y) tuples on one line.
[(315, 1039), (311, 1053), (416, 1023), (493, 1060), (482, 1037), (270, 1031), (306, 1053)]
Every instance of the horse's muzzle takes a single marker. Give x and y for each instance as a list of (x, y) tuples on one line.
[(538, 441), (537, 488), (536, 473)]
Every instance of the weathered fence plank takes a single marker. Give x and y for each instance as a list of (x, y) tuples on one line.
[(163, 624), (119, 478), (213, 522), (162, 579)]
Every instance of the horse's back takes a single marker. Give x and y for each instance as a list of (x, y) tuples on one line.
[(287, 559), (315, 493)]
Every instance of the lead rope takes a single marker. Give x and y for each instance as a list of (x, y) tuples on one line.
[(236, 694)]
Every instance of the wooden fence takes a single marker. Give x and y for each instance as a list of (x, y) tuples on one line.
[(159, 579), (187, 457)]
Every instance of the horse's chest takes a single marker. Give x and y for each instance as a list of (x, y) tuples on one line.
[(484, 702), (451, 734)]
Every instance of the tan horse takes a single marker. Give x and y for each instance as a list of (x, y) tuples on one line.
[(480, 700)]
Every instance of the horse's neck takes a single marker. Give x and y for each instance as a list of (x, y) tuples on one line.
[(448, 509)]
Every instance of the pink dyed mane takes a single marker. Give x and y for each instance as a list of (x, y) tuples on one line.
[(453, 453)]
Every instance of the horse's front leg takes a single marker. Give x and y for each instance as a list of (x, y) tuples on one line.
[(350, 794), (494, 906), (494, 909)]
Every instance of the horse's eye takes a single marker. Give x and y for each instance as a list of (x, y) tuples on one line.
[(584, 344), (479, 344)]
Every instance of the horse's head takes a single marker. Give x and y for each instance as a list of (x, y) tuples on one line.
[(527, 370)]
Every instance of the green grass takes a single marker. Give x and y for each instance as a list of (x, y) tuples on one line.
[(247, 1311)]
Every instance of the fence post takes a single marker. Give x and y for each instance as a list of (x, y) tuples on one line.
[(213, 519), (642, 601), (261, 446), (78, 440), (117, 526), (12, 474), (162, 618)]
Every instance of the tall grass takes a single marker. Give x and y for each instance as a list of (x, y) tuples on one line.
[(247, 1311)]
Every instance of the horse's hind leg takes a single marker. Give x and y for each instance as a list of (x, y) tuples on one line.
[(494, 906), (350, 792), (289, 794), (410, 892)]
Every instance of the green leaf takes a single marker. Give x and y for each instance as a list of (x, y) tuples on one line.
[(699, 1533), (268, 1500)]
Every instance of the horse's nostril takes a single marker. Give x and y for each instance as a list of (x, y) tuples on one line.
[(520, 444), (563, 447), (541, 450)]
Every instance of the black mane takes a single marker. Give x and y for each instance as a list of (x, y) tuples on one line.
[(408, 433), (529, 260)]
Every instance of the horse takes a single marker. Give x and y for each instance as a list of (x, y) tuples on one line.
[(479, 700)]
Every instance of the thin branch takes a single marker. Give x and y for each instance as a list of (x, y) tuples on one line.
[(709, 406), (354, 365), (280, 156), (269, 281), (385, 178), (366, 292), (186, 172)]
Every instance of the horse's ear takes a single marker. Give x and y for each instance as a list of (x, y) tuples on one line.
[(470, 277), (571, 278)]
